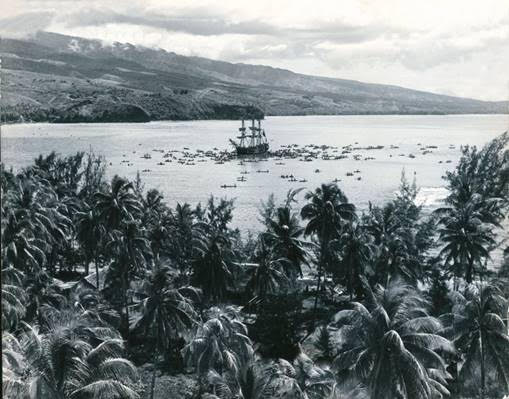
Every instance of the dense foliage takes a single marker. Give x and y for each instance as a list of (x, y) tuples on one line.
[(100, 277)]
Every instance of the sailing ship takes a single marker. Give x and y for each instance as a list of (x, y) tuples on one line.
[(252, 143)]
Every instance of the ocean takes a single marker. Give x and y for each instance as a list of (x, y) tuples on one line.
[(424, 146)]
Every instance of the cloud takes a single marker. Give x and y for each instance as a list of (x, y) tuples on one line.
[(26, 23), (189, 23), (455, 46)]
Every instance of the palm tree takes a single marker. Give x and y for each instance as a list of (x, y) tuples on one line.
[(483, 173), (355, 254), (20, 246), (13, 297), (164, 311), (90, 233), (393, 236), (130, 251), (183, 231), (266, 276), (152, 206), (41, 291), (327, 208), (13, 367), (477, 328), (118, 205), (283, 235), (392, 345), (467, 239), (220, 343), (211, 265), (258, 380), (65, 364)]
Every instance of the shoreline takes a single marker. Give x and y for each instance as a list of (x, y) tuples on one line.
[(11, 123)]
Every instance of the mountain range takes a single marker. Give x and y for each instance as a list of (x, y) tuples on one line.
[(59, 78)]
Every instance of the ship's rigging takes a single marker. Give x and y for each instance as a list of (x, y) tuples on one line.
[(254, 142)]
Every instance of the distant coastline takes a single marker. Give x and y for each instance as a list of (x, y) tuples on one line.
[(216, 117)]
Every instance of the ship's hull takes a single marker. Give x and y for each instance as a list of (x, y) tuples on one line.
[(254, 150)]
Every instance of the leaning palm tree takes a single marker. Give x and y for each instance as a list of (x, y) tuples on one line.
[(477, 328), (327, 208), (164, 311), (467, 239), (392, 345)]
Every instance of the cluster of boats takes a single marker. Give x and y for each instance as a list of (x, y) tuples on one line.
[(253, 147)]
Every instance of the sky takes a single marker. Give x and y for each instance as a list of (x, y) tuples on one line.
[(454, 47)]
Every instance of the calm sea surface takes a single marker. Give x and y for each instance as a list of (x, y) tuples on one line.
[(123, 144)]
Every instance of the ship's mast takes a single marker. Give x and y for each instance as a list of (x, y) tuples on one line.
[(258, 133), (242, 136), (253, 134)]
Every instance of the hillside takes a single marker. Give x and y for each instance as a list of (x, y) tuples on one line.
[(52, 77)]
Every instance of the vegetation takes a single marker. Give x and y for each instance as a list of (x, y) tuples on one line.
[(102, 278)]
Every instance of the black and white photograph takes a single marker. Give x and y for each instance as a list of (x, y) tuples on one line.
[(271, 199)]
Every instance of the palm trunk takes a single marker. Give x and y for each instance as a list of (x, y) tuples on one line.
[(483, 366), (154, 360), (126, 309), (97, 272), (470, 270), (481, 339), (87, 265), (350, 283), (320, 267)]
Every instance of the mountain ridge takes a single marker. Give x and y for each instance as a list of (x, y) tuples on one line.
[(59, 78)]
